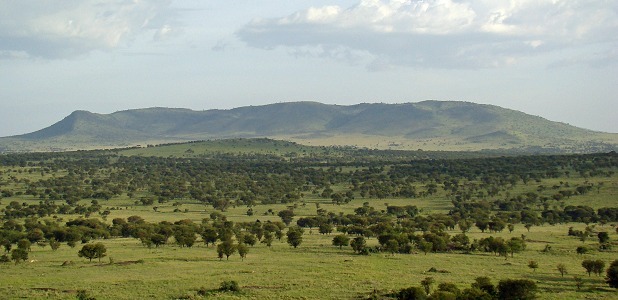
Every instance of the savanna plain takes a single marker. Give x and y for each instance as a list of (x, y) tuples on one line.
[(266, 219)]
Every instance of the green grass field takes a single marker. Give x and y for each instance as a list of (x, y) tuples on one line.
[(314, 270)]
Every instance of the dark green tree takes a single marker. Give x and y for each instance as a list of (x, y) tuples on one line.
[(24, 244), (603, 237), (209, 235), (427, 283), (226, 248), (242, 251), (295, 236), (515, 245), (411, 293), (516, 289), (286, 215), (588, 264), (598, 267), (268, 238), (19, 255), (612, 274), (341, 240), (91, 251), (582, 250), (358, 244)]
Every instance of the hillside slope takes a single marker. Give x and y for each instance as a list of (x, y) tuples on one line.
[(430, 125)]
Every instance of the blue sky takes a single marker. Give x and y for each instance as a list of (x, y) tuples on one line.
[(554, 58)]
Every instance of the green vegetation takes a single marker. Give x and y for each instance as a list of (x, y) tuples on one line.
[(323, 223)]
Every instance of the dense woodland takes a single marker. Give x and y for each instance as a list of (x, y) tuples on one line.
[(67, 195)]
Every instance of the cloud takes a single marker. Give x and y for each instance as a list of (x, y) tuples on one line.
[(64, 29), (440, 33)]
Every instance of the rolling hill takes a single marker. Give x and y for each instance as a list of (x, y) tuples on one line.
[(428, 125)]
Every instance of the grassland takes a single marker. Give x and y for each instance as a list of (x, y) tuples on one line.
[(314, 270)]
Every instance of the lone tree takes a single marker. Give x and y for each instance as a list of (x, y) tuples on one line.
[(341, 240), (91, 251), (612, 274), (562, 269), (295, 236)]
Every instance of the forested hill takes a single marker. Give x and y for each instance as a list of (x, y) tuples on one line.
[(428, 125)]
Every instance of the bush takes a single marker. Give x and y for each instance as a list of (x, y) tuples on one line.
[(412, 293), (229, 286), (516, 289), (442, 295)]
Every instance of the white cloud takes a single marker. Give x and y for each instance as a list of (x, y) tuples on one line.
[(61, 29), (442, 33)]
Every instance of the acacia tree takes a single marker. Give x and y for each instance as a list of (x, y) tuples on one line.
[(598, 267), (226, 248), (358, 244), (341, 240), (242, 251), (295, 236), (91, 251), (209, 235), (268, 239), (19, 255), (286, 216), (515, 245), (588, 264)]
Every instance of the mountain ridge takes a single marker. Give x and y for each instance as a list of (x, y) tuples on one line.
[(431, 125)]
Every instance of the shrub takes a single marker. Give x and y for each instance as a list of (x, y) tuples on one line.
[(442, 295), (516, 289), (412, 293), (229, 286)]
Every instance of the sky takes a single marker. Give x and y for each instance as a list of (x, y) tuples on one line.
[(557, 59)]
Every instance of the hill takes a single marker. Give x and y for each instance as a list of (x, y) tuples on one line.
[(428, 125)]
